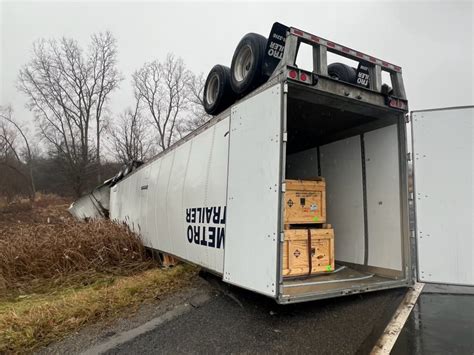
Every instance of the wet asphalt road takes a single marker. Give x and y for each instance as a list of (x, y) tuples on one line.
[(236, 321), (439, 324)]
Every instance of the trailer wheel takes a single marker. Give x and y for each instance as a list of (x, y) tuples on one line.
[(218, 94), (342, 72), (246, 67)]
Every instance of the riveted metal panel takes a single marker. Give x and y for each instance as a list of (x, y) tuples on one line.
[(443, 158), (254, 192), (205, 187), (154, 201), (151, 234)]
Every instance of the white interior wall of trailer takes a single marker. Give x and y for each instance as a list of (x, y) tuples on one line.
[(154, 200), (254, 192), (341, 166), (443, 152), (383, 198)]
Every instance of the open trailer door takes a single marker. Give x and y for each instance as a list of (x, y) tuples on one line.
[(443, 159), (250, 258)]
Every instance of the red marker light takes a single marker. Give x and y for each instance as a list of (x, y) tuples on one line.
[(292, 74), (303, 77), (397, 104)]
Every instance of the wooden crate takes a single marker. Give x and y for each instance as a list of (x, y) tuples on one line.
[(295, 251), (169, 261), (305, 201)]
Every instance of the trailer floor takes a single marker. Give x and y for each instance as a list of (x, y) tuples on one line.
[(332, 282)]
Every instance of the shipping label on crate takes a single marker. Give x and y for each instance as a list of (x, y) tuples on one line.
[(304, 207), (206, 226)]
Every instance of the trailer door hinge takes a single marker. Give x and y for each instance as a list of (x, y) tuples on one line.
[(285, 137), (409, 156), (282, 236), (285, 88), (407, 118), (283, 186)]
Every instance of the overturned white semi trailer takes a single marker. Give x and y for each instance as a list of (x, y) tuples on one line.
[(215, 198)]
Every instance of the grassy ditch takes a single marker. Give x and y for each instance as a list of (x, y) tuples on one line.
[(33, 320), (57, 274)]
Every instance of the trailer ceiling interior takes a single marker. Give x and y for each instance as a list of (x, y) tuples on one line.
[(319, 119), (358, 149)]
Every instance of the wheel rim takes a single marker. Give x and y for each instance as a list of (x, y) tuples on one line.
[(212, 89), (243, 63)]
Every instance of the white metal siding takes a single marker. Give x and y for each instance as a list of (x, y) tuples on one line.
[(205, 185), (161, 236), (151, 238), (192, 175), (253, 193), (91, 205), (383, 198), (341, 166), (443, 154)]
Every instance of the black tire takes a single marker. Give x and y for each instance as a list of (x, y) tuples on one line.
[(342, 72), (246, 67), (218, 94)]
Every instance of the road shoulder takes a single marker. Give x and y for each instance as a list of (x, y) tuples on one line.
[(103, 332)]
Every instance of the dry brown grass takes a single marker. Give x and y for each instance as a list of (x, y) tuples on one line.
[(57, 274), (31, 253), (34, 251), (36, 320), (45, 206)]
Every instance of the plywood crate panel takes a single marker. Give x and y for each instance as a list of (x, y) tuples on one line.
[(295, 251), (305, 201)]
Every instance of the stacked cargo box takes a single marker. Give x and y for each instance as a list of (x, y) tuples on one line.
[(309, 240)]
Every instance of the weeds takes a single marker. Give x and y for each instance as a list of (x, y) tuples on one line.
[(57, 274), (37, 320), (30, 253)]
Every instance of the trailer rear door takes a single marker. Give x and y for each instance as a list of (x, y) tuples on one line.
[(253, 185), (443, 158)]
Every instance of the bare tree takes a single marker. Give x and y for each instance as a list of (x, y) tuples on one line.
[(13, 178), (164, 90), (67, 91), (197, 115), (130, 136), (105, 78), (9, 148)]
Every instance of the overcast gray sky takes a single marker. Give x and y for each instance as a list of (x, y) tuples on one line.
[(431, 41)]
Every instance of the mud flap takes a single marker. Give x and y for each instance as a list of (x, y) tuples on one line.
[(275, 48)]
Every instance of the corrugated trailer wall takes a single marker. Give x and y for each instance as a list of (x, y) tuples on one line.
[(170, 201)]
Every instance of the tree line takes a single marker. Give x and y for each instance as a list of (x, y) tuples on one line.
[(78, 141)]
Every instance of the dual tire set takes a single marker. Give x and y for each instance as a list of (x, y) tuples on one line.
[(225, 85)]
